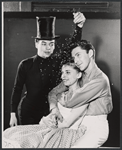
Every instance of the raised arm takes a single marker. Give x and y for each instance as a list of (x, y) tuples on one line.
[(79, 20)]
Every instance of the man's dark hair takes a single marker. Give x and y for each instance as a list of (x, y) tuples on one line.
[(84, 44), (36, 39)]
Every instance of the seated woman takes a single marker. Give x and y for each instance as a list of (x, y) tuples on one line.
[(51, 133)]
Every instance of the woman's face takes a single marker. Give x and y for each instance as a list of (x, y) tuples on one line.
[(69, 75)]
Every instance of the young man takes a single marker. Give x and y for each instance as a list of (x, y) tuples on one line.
[(95, 90), (39, 73)]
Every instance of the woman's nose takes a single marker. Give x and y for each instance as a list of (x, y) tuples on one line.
[(62, 76)]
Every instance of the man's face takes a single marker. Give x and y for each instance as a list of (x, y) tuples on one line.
[(81, 58), (69, 75), (45, 47)]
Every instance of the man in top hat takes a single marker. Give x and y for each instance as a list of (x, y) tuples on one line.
[(39, 73)]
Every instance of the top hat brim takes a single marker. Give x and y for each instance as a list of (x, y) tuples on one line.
[(48, 38)]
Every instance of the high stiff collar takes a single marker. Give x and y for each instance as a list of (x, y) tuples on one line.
[(41, 59)]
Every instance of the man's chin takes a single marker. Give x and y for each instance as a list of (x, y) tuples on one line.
[(65, 83), (46, 56), (81, 68)]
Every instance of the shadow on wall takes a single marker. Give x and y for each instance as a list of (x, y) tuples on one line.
[(114, 116)]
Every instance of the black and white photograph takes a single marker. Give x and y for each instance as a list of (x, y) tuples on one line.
[(61, 74)]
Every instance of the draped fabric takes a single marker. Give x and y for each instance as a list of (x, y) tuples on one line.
[(44, 135)]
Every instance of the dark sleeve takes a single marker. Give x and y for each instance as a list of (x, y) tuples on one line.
[(18, 87), (77, 34), (63, 58), (66, 52)]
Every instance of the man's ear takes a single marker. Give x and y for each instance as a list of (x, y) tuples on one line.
[(90, 53), (36, 43)]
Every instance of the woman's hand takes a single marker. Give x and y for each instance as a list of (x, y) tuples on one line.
[(79, 19), (49, 120), (13, 120), (57, 114)]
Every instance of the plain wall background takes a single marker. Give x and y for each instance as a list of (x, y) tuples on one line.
[(103, 33)]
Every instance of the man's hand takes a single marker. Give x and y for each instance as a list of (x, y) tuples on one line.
[(49, 120), (63, 124), (79, 19), (57, 113), (13, 120)]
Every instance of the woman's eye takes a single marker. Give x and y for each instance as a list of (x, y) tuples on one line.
[(68, 72), (78, 55)]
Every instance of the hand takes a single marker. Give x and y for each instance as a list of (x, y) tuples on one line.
[(57, 113), (49, 120), (13, 120), (79, 19), (63, 124)]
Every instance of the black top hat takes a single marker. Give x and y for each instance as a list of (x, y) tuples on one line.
[(46, 28)]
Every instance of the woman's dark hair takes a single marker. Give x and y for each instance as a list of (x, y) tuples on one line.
[(73, 66)]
